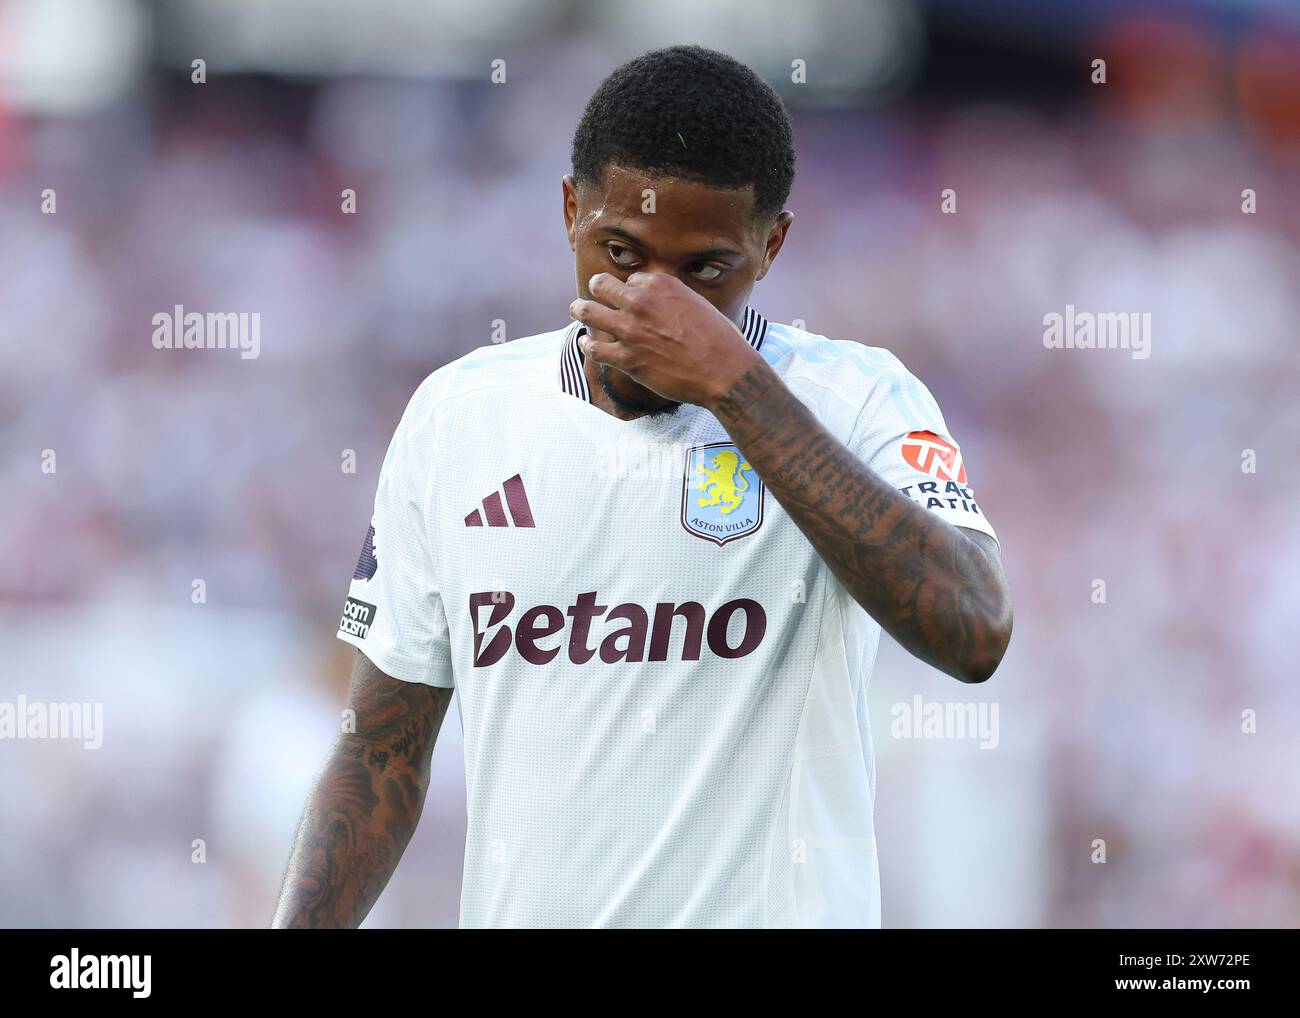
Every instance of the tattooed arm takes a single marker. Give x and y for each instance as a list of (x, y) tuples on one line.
[(939, 590), (365, 804)]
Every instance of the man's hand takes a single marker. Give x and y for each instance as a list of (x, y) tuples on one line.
[(665, 336)]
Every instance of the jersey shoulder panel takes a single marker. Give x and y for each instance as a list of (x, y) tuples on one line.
[(844, 378), (531, 362)]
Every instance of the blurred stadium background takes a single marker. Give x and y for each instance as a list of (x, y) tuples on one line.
[(1119, 721)]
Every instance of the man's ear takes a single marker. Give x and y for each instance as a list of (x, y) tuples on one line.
[(775, 238), (570, 190)]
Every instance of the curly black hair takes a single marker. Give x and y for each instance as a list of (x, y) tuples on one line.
[(694, 113)]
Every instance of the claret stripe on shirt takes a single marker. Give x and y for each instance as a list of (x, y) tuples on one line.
[(573, 379)]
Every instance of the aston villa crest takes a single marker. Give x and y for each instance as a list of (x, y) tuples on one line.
[(722, 495)]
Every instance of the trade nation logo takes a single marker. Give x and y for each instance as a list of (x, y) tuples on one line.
[(930, 454)]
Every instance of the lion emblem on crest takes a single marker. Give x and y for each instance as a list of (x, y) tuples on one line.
[(724, 483)]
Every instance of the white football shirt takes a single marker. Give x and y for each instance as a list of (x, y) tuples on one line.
[(662, 686)]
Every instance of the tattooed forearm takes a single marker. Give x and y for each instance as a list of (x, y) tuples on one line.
[(365, 804), (939, 590)]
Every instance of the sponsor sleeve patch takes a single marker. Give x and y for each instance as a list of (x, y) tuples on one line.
[(357, 618), (941, 460)]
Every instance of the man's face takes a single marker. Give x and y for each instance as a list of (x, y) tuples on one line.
[(705, 236)]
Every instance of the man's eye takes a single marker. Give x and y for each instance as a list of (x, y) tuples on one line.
[(623, 256), (706, 273)]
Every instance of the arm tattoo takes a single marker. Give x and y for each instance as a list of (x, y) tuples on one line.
[(938, 590), (365, 804)]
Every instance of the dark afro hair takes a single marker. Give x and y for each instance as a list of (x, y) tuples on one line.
[(693, 113)]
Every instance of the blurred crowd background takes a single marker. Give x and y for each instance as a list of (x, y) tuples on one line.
[(1120, 721)]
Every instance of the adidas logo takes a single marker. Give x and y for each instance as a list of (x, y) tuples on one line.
[(520, 511)]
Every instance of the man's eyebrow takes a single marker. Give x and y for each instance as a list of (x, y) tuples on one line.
[(713, 252), (631, 239)]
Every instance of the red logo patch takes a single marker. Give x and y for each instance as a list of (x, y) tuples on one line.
[(932, 455)]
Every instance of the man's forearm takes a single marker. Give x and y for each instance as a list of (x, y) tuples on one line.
[(365, 804), (356, 825), (935, 590)]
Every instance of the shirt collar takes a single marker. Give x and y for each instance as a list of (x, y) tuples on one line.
[(573, 379)]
